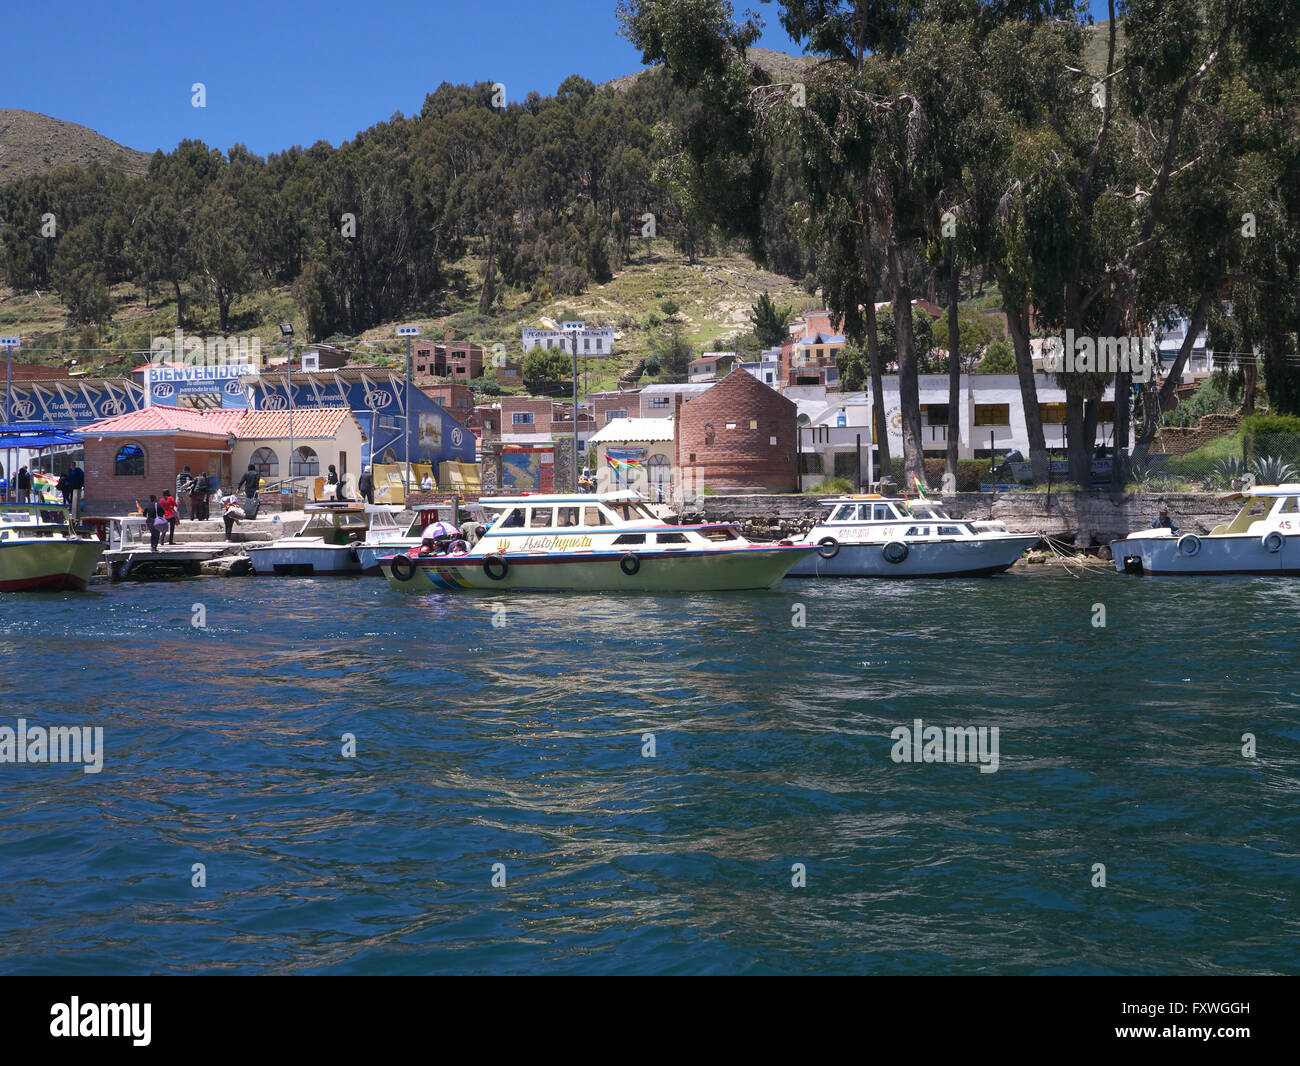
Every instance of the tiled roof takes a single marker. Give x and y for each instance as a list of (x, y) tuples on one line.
[(308, 422), (160, 419)]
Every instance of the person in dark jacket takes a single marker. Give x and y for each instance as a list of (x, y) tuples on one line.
[(366, 486), (340, 490), (199, 497), (24, 485), (1163, 519), (155, 520), (249, 482)]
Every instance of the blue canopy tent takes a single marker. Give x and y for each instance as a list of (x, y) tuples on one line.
[(14, 439)]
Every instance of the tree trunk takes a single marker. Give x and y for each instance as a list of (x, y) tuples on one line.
[(954, 371), (180, 307), (1123, 394), (1077, 450), (1194, 325), (877, 387), (909, 387), (1018, 327)]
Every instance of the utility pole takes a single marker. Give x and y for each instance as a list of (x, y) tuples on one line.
[(574, 332), (286, 330), (9, 344), (408, 332)]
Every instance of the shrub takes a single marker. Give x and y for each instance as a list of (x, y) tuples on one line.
[(1268, 425), (1214, 395), (970, 472), (833, 486)]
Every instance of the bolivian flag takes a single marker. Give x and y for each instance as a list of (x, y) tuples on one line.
[(919, 490), (625, 462)]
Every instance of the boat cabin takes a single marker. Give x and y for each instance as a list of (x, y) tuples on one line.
[(339, 524), (585, 513), (1266, 507), (22, 521)]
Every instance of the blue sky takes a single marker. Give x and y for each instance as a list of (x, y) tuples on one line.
[(285, 72)]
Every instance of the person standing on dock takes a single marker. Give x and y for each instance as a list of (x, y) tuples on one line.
[(170, 512), (184, 483), (76, 484), (366, 486), (199, 497), (155, 520), (24, 485)]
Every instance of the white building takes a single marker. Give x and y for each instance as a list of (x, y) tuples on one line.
[(594, 340), (657, 401), (991, 421), (766, 368)]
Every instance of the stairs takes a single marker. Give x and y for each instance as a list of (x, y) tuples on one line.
[(256, 531)]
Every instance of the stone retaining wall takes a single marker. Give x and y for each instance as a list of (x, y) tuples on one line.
[(1083, 519)]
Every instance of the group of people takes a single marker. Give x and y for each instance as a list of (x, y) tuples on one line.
[(161, 517), (198, 491)]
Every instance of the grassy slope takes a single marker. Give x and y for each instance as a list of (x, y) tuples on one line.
[(31, 143)]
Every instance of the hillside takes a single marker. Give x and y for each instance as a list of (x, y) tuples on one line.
[(780, 66), (31, 143)]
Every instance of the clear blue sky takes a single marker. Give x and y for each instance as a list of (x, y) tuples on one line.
[(285, 72)]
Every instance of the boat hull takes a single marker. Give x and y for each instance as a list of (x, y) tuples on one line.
[(1231, 554), (48, 564), (287, 561), (709, 571), (368, 556), (955, 558)]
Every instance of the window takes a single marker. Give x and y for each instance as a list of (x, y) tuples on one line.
[(514, 519), (883, 512), (265, 462), (731, 425), (598, 345), (541, 517), (630, 538), (305, 463), (992, 414), (509, 372), (1290, 505), (1106, 412), (917, 531), (586, 344), (720, 533), (936, 414), (611, 415), (671, 538), (1052, 414), (129, 461), (843, 513), (594, 516), (659, 401), (864, 512), (522, 418), (949, 531), (566, 516)]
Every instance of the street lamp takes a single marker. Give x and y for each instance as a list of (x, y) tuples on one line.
[(408, 332), (286, 331)]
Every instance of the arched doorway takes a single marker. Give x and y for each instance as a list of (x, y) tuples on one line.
[(660, 477), (306, 463)]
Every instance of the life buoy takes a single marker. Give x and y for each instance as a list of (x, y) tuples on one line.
[(403, 567), (492, 561), (828, 547), (629, 563), (1189, 545), (1273, 541), (895, 551)]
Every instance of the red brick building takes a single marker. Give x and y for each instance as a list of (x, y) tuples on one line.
[(136, 455), (607, 406), (739, 436), (34, 372), (459, 360)]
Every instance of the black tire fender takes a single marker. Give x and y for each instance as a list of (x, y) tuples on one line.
[(828, 547), (493, 561), (895, 551), (1189, 544), (403, 567), (1273, 541), (629, 564)]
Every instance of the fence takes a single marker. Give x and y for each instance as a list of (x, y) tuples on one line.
[(1228, 462)]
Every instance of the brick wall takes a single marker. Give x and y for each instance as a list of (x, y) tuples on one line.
[(1183, 440), (164, 458), (742, 436)]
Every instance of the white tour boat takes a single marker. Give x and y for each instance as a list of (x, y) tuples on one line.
[(1264, 538), (878, 536), (324, 544), (601, 542)]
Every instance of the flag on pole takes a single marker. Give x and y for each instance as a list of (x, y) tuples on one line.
[(919, 490)]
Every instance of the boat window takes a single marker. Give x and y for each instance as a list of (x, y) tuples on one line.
[(566, 516), (672, 538), (541, 517), (864, 512), (720, 534), (843, 513), (1290, 505), (514, 518), (884, 512), (630, 538), (917, 531), (949, 531), (594, 516)]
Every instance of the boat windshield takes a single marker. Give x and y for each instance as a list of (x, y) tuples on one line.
[(326, 525)]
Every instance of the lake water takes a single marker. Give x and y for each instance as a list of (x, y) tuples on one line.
[(512, 730)]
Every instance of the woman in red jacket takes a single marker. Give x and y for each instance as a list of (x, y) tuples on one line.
[(168, 505)]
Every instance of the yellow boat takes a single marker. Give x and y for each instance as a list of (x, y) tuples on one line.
[(38, 549)]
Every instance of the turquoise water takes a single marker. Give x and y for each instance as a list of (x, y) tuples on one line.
[(521, 743)]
